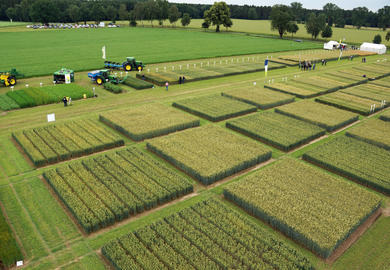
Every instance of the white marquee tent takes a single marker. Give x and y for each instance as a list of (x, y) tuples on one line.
[(331, 45), (372, 47)]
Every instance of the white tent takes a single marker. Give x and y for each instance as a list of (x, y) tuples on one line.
[(331, 45), (372, 47)]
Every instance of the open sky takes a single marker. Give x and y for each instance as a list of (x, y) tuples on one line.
[(373, 5)]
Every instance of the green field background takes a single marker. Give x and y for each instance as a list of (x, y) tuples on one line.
[(43, 52)]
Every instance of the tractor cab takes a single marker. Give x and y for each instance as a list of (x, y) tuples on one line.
[(132, 64)]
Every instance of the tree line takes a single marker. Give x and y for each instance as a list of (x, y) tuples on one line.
[(45, 11)]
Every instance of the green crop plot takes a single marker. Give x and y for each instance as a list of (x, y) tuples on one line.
[(373, 131), (385, 116), (321, 115), (148, 121), (7, 103), (370, 91), (308, 205), (110, 188), (278, 130), (363, 162), (80, 49), (55, 143), (208, 235), (260, 97), (351, 103), (9, 249), (209, 153), (215, 107)]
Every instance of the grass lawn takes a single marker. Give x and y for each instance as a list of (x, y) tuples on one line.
[(80, 49)]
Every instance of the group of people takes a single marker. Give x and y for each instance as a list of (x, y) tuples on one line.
[(67, 101), (306, 65), (181, 80)]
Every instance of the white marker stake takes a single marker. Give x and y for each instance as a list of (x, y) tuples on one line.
[(40, 84), (26, 85), (254, 83), (12, 88), (51, 118), (180, 67), (148, 70)]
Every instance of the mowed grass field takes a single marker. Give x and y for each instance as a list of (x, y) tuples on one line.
[(81, 49), (351, 35)]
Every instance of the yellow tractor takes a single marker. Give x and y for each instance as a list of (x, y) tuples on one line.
[(8, 78)]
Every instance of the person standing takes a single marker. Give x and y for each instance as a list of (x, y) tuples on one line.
[(65, 101), (166, 86), (180, 80)]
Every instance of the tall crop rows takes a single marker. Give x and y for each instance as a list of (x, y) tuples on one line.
[(363, 162), (374, 131), (276, 129), (148, 121), (9, 249), (209, 153), (207, 235), (58, 142), (321, 115), (214, 107), (310, 206), (262, 98), (109, 188)]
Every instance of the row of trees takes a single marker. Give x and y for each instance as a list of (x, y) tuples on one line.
[(97, 10)]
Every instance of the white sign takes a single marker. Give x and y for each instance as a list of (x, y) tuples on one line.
[(51, 117), (67, 78), (19, 263), (104, 52)]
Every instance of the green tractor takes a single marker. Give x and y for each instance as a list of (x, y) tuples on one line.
[(103, 76), (62, 75), (129, 65)]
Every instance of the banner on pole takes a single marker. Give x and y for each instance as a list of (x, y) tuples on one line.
[(266, 66), (104, 52)]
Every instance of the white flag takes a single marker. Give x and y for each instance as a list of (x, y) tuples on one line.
[(104, 52)]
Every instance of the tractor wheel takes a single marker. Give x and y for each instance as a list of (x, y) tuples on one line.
[(12, 81), (140, 68), (128, 67), (99, 81)]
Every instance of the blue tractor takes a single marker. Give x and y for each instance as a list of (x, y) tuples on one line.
[(103, 76), (129, 65)]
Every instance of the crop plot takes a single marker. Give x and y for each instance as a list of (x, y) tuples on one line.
[(308, 205), (110, 188), (207, 235), (369, 91), (321, 115), (148, 121), (365, 163), (260, 97), (214, 107), (58, 142), (209, 153), (7, 103), (385, 116), (353, 103), (372, 131), (29, 97), (276, 129), (210, 68), (9, 249)]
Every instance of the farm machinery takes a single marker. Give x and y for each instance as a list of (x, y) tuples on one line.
[(129, 65), (63, 75), (8, 78), (103, 76)]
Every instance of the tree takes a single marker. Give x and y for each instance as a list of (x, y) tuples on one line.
[(327, 32), (340, 22), (43, 11), (292, 28), (74, 13), (331, 11), (387, 36), (97, 12), (359, 16), (280, 19), (151, 11), (162, 11), (205, 25), (11, 13), (132, 18), (377, 39), (111, 13), (384, 17), (315, 24), (84, 12), (173, 14), (218, 14), (252, 14), (297, 11), (123, 14), (139, 12), (186, 19)]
